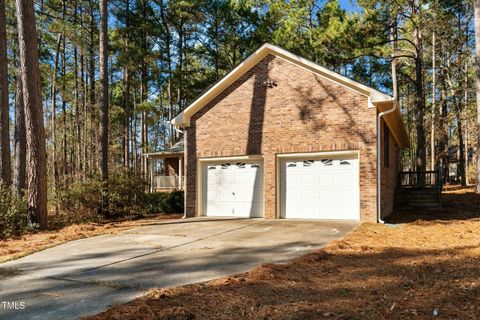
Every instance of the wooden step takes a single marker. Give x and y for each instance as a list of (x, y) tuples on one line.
[(411, 198)]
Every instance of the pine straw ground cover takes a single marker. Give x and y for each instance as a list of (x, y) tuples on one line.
[(423, 265), (29, 243)]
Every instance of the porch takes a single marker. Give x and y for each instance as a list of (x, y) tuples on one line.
[(166, 169), (418, 189)]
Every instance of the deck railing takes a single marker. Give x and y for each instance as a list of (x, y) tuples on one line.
[(420, 179), (168, 183)]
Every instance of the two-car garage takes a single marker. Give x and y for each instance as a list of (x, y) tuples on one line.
[(310, 186)]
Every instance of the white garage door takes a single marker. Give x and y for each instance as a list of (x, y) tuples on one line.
[(320, 188), (233, 189)]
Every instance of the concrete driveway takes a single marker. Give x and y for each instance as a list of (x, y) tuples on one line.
[(86, 276)]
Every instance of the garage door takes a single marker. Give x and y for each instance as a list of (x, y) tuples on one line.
[(320, 188), (233, 189)]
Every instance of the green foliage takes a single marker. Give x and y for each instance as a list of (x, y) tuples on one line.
[(13, 213), (172, 202), (126, 196)]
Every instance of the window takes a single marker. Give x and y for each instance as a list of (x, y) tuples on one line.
[(327, 162), (386, 146), (308, 163), (241, 165), (225, 165)]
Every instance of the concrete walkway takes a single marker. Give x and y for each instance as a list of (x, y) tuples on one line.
[(85, 277)]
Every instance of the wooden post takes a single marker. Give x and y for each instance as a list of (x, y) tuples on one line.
[(151, 174), (180, 172)]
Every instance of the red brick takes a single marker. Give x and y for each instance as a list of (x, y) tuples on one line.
[(303, 113)]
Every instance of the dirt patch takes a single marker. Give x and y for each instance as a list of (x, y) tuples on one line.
[(29, 243), (426, 268)]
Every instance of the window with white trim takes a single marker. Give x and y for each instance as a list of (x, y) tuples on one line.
[(241, 165), (327, 162), (225, 165), (308, 163)]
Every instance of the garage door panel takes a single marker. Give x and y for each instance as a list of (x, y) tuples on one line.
[(307, 179), (344, 178), (233, 189), (308, 195), (322, 188), (327, 194), (325, 179)]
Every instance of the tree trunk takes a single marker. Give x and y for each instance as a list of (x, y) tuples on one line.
[(5, 165), (432, 127), (166, 29), (77, 128), (443, 127), (36, 149), (104, 103), (461, 163), (419, 103), (53, 121), (64, 118), (477, 87), (126, 120), (465, 105), (20, 141), (144, 124), (91, 76), (126, 96)]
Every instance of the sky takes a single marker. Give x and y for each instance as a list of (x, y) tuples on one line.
[(349, 5)]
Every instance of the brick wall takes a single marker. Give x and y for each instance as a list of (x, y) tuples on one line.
[(388, 174), (303, 113)]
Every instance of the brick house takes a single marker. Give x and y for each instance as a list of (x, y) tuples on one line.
[(282, 137)]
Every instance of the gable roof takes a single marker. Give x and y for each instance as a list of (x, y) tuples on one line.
[(376, 98)]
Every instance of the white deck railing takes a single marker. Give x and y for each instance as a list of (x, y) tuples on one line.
[(168, 182)]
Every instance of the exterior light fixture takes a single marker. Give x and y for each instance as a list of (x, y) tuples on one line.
[(270, 83)]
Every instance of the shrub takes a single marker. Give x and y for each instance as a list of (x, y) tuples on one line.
[(13, 213), (126, 196), (171, 202)]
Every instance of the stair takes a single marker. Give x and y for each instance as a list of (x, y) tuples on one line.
[(417, 198)]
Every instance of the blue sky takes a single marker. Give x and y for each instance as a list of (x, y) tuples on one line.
[(349, 5)]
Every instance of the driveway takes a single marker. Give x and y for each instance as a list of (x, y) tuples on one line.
[(85, 277)]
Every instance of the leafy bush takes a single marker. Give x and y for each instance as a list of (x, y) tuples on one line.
[(171, 202), (126, 196), (13, 213)]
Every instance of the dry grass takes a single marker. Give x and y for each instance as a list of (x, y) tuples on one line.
[(426, 267), (26, 244)]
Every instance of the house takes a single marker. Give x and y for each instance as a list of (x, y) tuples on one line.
[(169, 163), (282, 137)]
